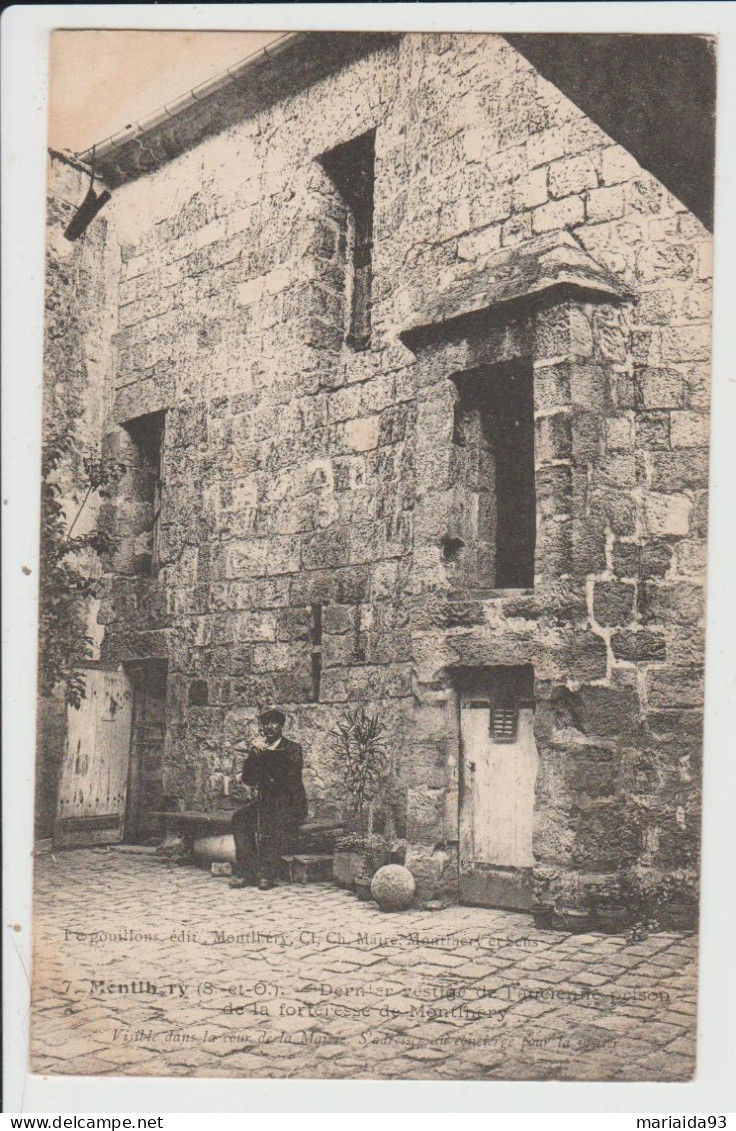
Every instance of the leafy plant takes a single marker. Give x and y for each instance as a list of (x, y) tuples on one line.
[(659, 899), (358, 742), (71, 471), (67, 581)]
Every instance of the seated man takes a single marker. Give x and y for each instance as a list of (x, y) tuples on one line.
[(267, 828)]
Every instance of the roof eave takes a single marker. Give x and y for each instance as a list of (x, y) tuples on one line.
[(282, 68)]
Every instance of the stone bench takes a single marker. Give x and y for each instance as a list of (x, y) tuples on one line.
[(195, 836)]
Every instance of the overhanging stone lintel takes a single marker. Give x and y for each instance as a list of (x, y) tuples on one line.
[(530, 272)]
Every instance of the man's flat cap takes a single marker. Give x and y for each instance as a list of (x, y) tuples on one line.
[(271, 715)]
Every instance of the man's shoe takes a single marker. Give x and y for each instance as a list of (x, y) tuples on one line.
[(238, 882), (265, 885)]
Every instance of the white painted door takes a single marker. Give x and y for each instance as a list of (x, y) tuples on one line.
[(499, 771), (94, 773)]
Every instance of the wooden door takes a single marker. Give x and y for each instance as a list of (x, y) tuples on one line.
[(498, 774), (94, 772), (145, 780)]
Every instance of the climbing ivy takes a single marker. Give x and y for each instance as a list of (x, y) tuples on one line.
[(71, 472), (67, 582)]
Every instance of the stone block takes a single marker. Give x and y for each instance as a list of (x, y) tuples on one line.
[(617, 469), (481, 243), (337, 619), (678, 471), (587, 435), (361, 435), (656, 559), (705, 259), (553, 437), (593, 771), (294, 624), (604, 204), (531, 190), (660, 388), (626, 559), (620, 433), (551, 386), (588, 385), (665, 261), (251, 291), (637, 646), (613, 602), (689, 429), (682, 729), (554, 545), (626, 390), (645, 347), (605, 712), (655, 307), (619, 509), (424, 814), (667, 516), (648, 197), (676, 602), (565, 213), (272, 657), (549, 145), (690, 557), (552, 332), (586, 657), (572, 175), (325, 549), (653, 431), (607, 837), (698, 302), (255, 626), (435, 871), (674, 687), (699, 523), (687, 343), (618, 165), (516, 229), (589, 545)]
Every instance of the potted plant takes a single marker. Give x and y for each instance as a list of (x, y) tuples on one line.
[(358, 744), (663, 901), (363, 886), (610, 910), (359, 855)]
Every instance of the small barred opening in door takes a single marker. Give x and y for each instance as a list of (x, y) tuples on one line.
[(498, 772)]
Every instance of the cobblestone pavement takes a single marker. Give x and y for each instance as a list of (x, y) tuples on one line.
[(143, 967)]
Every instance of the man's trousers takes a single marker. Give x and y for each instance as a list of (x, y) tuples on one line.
[(262, 836)]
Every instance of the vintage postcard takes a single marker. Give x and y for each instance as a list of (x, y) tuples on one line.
[(375, 471)]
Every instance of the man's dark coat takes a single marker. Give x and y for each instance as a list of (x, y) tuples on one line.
[(266, 828)]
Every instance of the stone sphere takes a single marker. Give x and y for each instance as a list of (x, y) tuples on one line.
[(393, 887)]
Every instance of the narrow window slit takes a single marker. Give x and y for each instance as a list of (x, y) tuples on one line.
[(351, 168), (148, 436), (316, 655), (493, 476)]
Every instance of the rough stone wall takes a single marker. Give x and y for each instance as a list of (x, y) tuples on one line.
[(76, 399), (295, 468)]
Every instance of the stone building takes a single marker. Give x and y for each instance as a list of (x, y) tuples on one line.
[(407, 366)]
